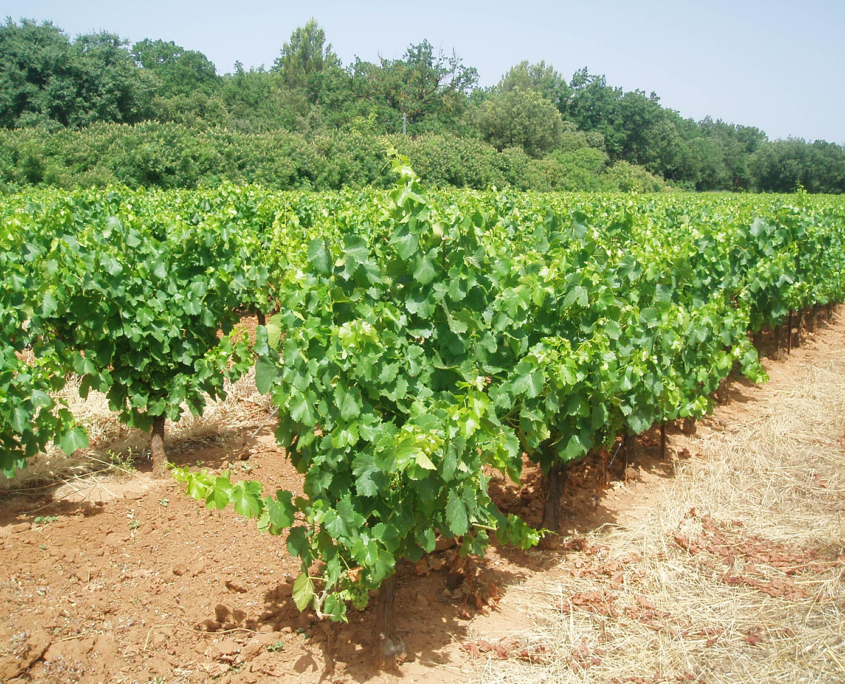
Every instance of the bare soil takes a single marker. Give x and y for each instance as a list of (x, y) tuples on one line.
[(126, 579)]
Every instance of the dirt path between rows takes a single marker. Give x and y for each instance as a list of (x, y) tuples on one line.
[(723, 562)]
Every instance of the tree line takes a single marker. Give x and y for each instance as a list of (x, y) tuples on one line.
[(534, 129)]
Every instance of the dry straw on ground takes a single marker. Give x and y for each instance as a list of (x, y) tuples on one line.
[(735, 574)]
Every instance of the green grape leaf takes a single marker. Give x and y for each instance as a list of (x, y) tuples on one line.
[(335, 607), (456, 514), (303, 591), (265, 374), (74, 439), (424, 272), (281, 509), (576, 294), (406, 245), (274, 332), (319, 255), (218, 494), (246, 496)]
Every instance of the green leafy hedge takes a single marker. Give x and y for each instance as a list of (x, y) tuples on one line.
[(170, 156)]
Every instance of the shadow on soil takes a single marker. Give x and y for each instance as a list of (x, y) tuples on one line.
[(17, 510), (433, 610)]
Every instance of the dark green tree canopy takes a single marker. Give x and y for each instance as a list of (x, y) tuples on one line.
[(794, 163), (48, 81), (541, 77), (581, 129), (306, 55), (179, 71), (522, 118), (429, 86)]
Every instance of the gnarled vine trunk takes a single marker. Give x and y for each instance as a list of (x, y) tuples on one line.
[(555, 484), (387, 644), (157, 454), (789, 333)]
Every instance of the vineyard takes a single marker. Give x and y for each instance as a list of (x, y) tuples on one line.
[(413, 343)]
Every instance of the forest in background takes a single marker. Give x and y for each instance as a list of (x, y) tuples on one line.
[(96, 110)]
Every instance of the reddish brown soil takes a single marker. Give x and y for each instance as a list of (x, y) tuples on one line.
[(149, 586)]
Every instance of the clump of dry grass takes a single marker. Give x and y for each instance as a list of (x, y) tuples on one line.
[(736, 574), (113, 444), (783, 471)]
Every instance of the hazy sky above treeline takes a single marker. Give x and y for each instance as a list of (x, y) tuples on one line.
[(773, 64)]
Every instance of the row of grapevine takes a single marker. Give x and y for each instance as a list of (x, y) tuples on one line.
[(29, 370), (420, 339), (129, 292), (417, 340)]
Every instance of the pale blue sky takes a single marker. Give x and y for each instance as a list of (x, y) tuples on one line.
[(772, 64)]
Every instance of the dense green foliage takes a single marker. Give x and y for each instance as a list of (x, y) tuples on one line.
[(421, 338), (50, 83), (177, 156), (142, 295), (127, 291), (31, 366), (424, 337)]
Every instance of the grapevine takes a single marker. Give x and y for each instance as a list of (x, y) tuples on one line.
[(414, 340)]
